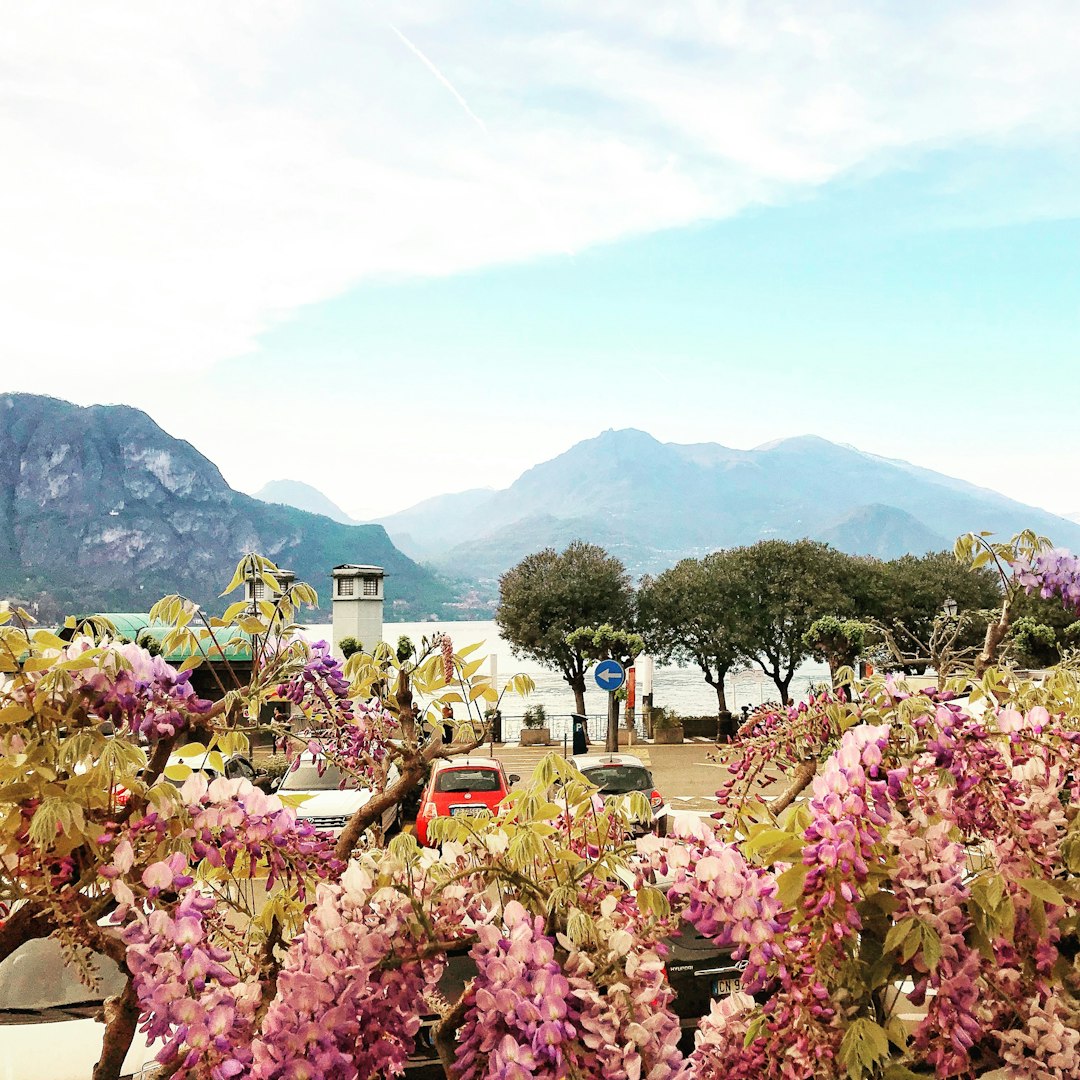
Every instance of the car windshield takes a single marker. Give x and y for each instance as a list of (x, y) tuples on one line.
[(618, 779), (307, 778), (468, 780)]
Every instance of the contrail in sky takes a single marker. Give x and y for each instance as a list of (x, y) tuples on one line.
[(438, 75)]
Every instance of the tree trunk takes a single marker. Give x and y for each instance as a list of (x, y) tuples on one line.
[(27, 923), (121, 1020), (804, 773), (577, 684), (782, 685), (995, 635), (721, 692), (612, 743)]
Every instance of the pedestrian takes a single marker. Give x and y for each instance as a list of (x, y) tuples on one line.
[(581, 734)]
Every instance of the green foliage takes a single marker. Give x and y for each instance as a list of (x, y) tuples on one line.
[(663, 717), (785, 587), (349, 646), (835, 641), (606, 643), (1033, 644), (696, 612), (535, 716), (550, 594)]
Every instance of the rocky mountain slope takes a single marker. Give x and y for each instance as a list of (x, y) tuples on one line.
[(653, 503), (102, 510)]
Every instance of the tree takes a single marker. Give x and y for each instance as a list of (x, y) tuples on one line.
[(89, 823), (937, 863), (908, 599), (784, 586), (836, 642), (694, 613), (550, 594), (606, 643)]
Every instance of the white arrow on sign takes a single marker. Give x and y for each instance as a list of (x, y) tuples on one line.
[(609, 677)]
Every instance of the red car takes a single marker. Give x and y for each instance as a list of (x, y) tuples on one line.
[(467, 787)]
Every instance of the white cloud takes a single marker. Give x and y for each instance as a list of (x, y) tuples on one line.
[(178, 178)]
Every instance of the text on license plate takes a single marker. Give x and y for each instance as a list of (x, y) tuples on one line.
[(468, 811), (725, 987)]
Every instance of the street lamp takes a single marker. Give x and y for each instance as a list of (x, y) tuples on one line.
[(951, 607)]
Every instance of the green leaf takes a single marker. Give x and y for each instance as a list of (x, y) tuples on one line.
[(752, 1029), (865, 1043), (931, 946), (898, 933), (790, 885), (1043, 890)]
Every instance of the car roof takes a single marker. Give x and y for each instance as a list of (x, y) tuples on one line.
[(591, 761), (469, 763)]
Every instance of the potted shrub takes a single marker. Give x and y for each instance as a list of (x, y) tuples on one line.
[(535, 731), (667, 726)]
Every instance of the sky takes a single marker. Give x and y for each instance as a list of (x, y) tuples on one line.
[(396, 250)]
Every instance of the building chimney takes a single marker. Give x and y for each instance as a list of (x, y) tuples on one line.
[(358, 605), (255, 589)]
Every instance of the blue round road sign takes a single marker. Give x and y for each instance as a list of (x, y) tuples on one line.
[(609, 675)]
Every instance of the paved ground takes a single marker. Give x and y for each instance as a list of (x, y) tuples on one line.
[(684, 774)]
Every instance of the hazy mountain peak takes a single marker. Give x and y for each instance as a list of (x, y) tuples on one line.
[(303, 497)]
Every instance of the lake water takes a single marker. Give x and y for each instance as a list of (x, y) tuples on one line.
[(682, 689)]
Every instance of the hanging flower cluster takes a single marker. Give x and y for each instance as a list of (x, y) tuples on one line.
[(320, 687), (188, 992), (723, 896), (540, 1006), (348, 997), (932, 897), (1051, 573)]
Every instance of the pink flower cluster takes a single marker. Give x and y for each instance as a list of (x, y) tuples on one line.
[(723, 896), (519, 1017), (1047, 1045), (849, 809), (928, 883), (232, 818), (348, 995), (539, 1006), (188, 991)]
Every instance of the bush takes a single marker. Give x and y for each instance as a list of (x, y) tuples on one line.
[(349, 646), (535, 716), (665, 718)]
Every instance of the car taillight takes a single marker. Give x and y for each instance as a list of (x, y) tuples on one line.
[(655, 800), (430, 810)]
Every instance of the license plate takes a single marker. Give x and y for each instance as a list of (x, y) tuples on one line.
[(469, 811), (722, 988)]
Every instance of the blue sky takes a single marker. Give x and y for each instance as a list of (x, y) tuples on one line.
[(437, 244)]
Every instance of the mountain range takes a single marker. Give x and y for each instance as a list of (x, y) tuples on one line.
[(101, 510), (652, 503)]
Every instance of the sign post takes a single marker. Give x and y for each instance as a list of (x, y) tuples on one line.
[(609, 676)]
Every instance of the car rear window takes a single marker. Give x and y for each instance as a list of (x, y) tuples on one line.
[(306, 777), (618, 779), (468, 780)]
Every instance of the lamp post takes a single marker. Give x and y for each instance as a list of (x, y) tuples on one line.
[(951, 607)]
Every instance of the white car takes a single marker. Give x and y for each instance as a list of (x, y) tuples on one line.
[(620, 774), (48, 1029), (327, 803)]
